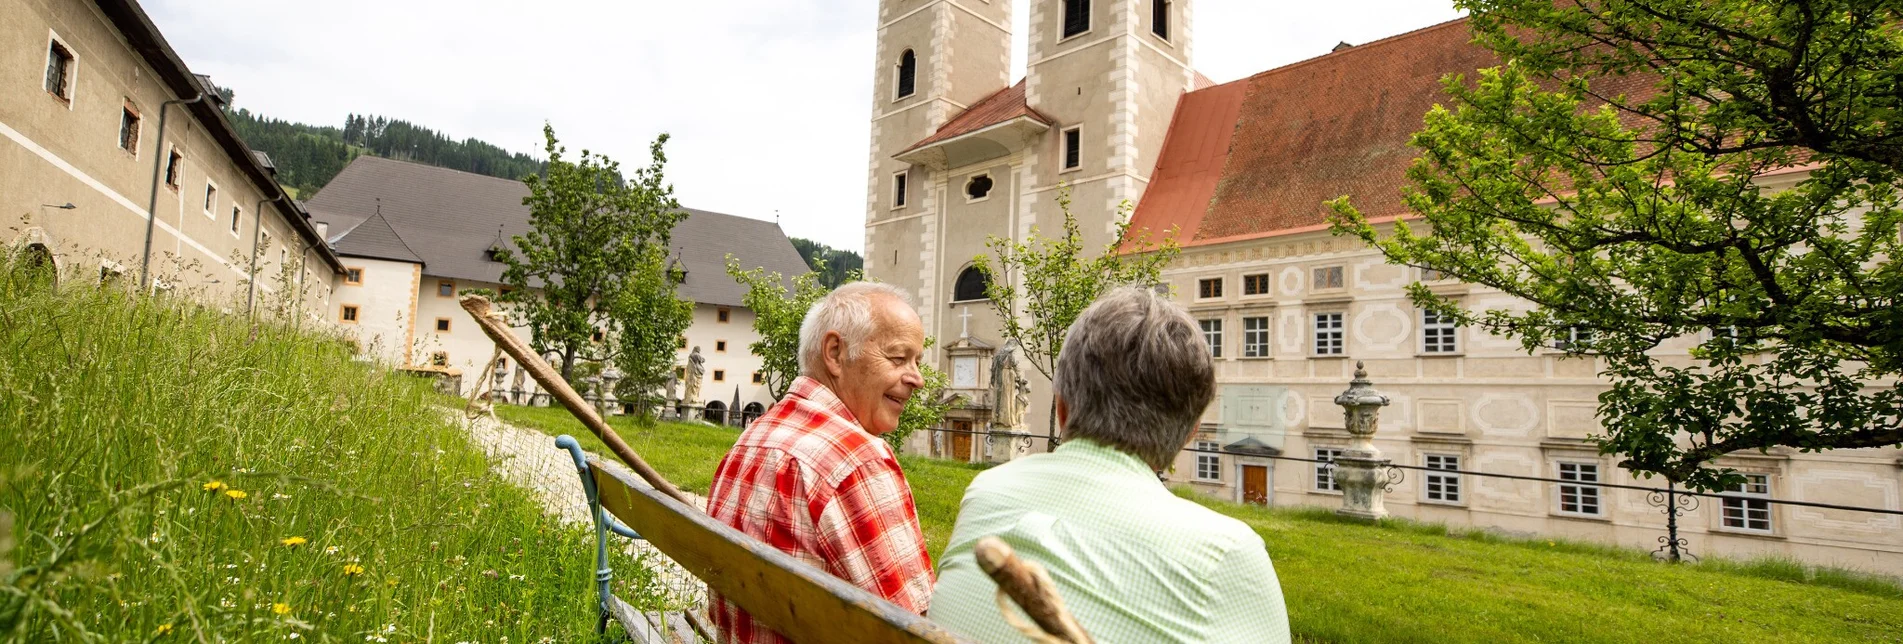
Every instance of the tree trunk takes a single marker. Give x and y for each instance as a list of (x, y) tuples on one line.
[(568, 364)]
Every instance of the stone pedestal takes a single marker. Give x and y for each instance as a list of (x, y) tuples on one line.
[(1360, 470)]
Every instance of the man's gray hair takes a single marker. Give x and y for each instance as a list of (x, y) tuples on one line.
[(1135, 374), (848, 310)]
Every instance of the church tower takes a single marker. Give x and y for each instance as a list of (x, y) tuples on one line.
[(934, 60)]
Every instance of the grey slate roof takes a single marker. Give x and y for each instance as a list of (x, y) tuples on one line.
[(374, 238), (450, 218)]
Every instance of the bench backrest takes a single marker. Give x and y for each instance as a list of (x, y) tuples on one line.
[(799, 601)]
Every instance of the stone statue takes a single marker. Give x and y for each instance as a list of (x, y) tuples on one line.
[(515, 390), (672, 389), (1010, 394), (696, 367)]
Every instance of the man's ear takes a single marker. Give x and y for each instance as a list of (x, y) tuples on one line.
[(833, 353), (1063, 411)]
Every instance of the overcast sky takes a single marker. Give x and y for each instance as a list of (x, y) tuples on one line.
[(768, 101)]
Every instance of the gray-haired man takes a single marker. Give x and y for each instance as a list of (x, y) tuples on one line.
[(1132, 561)]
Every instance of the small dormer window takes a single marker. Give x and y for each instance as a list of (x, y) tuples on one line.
[(978, 187), (908, 75)]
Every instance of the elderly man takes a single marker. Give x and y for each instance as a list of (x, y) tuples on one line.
[(812, 477), (1133, 562)]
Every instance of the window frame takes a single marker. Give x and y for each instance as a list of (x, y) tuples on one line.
[(1211, 460), (723, 315), (720, 375), (1256, 343), (759, 378), (1068, 140), (984, 281), (899, 77), (211, 199), (1209, 288), (1262, 278), (1212, 334), (1446, 335), (349, 313), (69, 72), (1160, 19), (1449, 483), (1337, 270), (237, 215), (1339, 331), (1063, 20), (900, 189), (720, 346), (1744, 501), (1584, 489), (356, 269), (439, 359), (174, 175), (1323, 480), (993, 185), (442, 325), (442, 283), (131, 122)]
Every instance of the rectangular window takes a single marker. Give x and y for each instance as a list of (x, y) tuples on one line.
[(353, 276), (59, 71), (1160, 18), (1209, 288), (129, 128), (439, 359), (1328, 334), (211, 198), (1438, 333), (1575, 338), (720, 345), (1747, 505), (1073, 148), (237, 215), (1208, 464), (445, 288), (174, 168), (1328, 277), (898, 190), (1577, 496), (723, 315), (349, 314), (442, 324), (1076, 17), (758, 378), (1325, 470), (720, 375), (1212, 333), (1257, 284), (1443, 487), (1255, 337)]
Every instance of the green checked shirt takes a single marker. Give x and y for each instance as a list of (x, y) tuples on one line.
[(1133, 562)]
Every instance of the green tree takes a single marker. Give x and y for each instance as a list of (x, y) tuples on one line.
[(589, 277), (777, 313), (1055, 283), (835, 266), (1611, 174)]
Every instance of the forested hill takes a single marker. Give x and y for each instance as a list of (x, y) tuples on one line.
[(307, 156)]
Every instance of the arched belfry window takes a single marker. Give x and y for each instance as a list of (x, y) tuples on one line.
[(971, 285), (908, 73)]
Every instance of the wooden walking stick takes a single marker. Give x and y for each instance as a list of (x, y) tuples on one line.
[(480, 308), (1031, 587)]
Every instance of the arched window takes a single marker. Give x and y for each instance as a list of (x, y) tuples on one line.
[(971, 285), (908, 73)]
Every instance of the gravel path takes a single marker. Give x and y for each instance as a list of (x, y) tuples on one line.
[(531, 460)]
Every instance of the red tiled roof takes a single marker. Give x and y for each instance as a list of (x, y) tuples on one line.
[(1006, 104), (1299, 135)]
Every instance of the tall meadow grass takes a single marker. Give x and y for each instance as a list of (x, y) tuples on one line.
[(169, 473)]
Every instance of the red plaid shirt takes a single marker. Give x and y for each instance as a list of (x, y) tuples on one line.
[(808, 480)]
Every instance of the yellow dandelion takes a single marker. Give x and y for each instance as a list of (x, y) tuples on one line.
[(292, 541), (164, 629), (235, 494), (352, 570), (391, 581), (210, 486), (281, 608)]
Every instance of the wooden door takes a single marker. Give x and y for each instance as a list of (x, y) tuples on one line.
[(1255, 484), (961, 440)]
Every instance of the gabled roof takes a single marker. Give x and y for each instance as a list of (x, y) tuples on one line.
[(1259, 156), (1000, 107), (375, 239), (449, 219)]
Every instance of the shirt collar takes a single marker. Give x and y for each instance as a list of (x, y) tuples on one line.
[(813, 393), (1105, 458)]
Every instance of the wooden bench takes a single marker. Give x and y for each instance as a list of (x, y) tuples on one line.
[(799, 601)]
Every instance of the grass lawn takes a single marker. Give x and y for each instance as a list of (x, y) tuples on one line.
[(168, 474), (1418, 582)]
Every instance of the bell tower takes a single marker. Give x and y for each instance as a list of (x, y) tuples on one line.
[(934, 59)]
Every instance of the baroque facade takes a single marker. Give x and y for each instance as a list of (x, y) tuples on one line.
[(118, 166), (414, 237), (1238, 172)]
